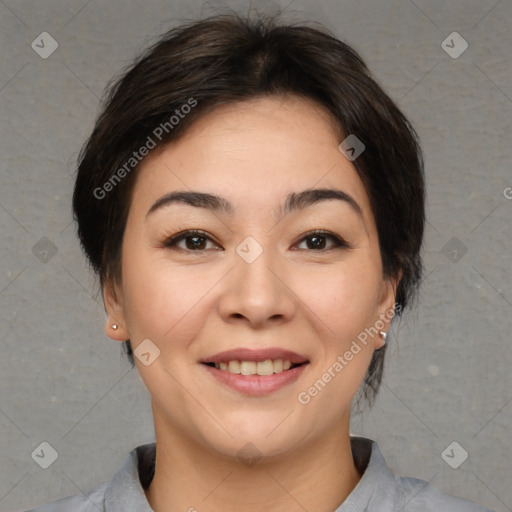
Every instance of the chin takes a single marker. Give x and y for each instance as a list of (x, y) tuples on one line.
[(257, 435), (252, 448)]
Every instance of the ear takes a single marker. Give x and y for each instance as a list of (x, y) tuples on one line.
[(386, 307), (112, 298)]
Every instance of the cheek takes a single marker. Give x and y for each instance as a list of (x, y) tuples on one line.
[(162, 302), (344, 303), (344, 298)]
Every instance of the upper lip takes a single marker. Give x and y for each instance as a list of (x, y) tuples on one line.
[(247, 354)]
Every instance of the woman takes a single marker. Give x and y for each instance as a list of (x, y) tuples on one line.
[(253, 204)]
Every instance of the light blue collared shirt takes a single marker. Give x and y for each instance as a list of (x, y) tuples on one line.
[(379, 489)]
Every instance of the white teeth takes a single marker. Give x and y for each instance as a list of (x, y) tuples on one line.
[(234, 367), (267, 367), (247, 367), (278, 366)]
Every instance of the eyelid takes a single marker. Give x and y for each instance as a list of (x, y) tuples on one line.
[(171, 241), (338, 241)]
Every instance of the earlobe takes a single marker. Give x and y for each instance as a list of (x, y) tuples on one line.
[(115, 331), (386, 309), (381, 340), (115, 324)]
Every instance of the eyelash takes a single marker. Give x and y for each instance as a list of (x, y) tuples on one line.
[(171, 243)]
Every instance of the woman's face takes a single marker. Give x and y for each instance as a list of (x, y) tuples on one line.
[(257, 281)]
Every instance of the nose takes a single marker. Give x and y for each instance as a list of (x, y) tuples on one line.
[(257, 293)]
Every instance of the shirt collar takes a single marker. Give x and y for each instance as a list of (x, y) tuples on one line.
[(378, 488), (125, 492)]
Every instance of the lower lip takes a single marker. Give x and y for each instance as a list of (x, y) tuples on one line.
[(256, 385)]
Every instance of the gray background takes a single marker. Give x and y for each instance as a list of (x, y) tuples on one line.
[(447, 378)]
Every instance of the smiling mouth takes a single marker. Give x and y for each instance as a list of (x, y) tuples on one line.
[(263, 368)]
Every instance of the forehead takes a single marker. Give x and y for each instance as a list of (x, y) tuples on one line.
[(253, 153)]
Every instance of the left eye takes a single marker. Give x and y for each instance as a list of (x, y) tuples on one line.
[(197, 241), (317, 240)]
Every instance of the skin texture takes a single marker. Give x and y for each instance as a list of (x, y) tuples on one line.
[(192, 304)]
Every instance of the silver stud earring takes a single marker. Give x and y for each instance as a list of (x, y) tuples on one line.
[(384, 335), (114, 326)]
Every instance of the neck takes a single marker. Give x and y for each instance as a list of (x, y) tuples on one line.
[(189, 477)]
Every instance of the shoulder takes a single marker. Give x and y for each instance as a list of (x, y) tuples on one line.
[(382, 490), (124, 492), (421, 496), (92, 501)]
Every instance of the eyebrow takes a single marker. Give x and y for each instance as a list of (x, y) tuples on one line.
[(294, 201)]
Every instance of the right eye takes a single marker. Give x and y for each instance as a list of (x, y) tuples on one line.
[(194, 240)]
